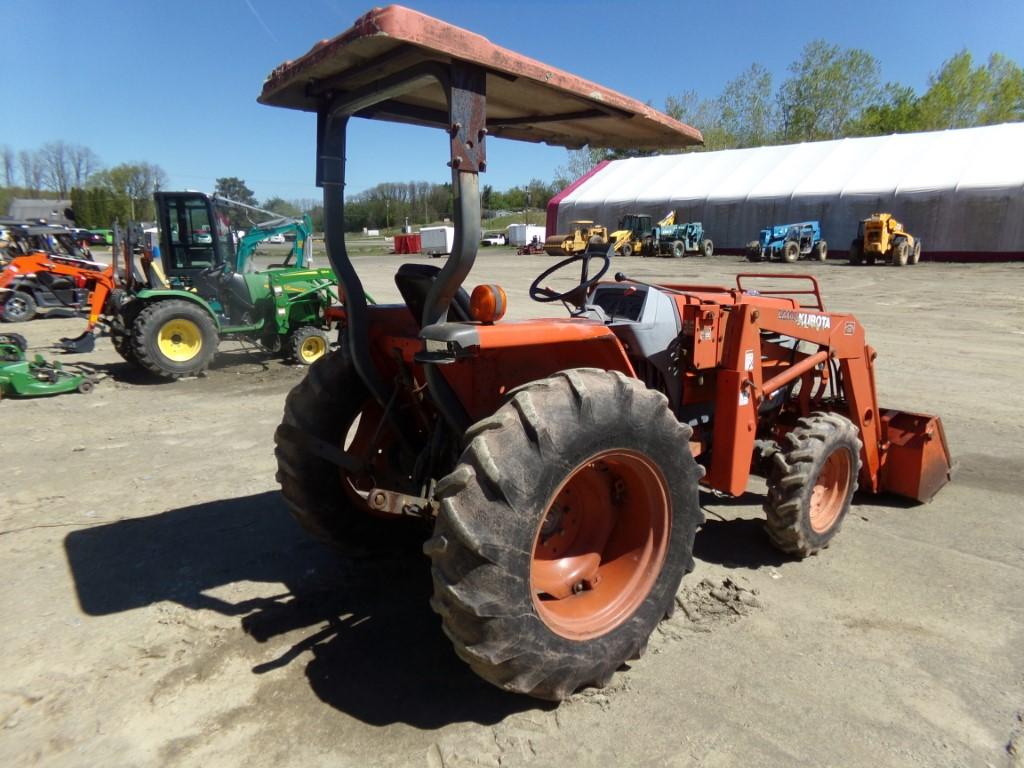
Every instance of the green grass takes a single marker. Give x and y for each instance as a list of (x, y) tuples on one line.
[(537, 217)]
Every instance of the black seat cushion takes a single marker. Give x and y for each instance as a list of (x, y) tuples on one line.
[(414, 282)]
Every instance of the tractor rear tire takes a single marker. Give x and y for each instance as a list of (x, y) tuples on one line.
[(678, 249), (821, 250), (915, 254), (308, 344), (811, 482), (594, 463), (172, 338), (791, 252), (856, 253), (123, 346), (120, 328), (20, 307), (900, 253), (322, 498), (707, 248)]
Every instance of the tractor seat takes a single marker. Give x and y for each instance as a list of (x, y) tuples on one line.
[(54, 282), (235, 293), (414, 282)]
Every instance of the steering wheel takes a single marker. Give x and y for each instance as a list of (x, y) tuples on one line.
[(577, 295)]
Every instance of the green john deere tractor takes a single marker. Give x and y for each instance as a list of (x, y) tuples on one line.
[(207, 289)]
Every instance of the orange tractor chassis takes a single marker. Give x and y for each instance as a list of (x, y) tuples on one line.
[(554, 464)]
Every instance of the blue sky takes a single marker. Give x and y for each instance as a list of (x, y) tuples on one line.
[(175, 83)]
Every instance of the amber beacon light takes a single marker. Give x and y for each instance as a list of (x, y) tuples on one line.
[(488, 303)]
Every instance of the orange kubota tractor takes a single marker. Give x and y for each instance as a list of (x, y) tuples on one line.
[(554, 465)]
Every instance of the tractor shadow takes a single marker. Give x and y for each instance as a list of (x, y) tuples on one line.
[(735, 542), (378, 651), (233, 362)]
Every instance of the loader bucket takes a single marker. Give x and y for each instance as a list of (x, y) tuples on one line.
[(915, 458), (79, 344)]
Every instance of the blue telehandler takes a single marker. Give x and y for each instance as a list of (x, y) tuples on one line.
[(789, 243)]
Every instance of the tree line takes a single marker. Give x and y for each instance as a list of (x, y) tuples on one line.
[(65, 170), (391, 204), (833, 93), (124, 192), (830, 93)]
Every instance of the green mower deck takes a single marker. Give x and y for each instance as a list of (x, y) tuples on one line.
[(21, 377)]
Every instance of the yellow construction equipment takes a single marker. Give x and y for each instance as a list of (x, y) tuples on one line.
[(583, 232), (880, 236), (634, 235)]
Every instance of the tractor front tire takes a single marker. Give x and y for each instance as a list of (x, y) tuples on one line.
[(564, 532), (707, 248), (754, 252), (172, 338), (811, 483), (308, 344), (791, 252), (915, 253), (19, 307), (627, 250), (678, 249), (900, 253), (821, 250)]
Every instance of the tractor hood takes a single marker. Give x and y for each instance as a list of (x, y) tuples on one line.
[(526, 99)]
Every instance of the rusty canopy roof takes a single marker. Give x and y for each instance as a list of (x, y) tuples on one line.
[(526, 100)]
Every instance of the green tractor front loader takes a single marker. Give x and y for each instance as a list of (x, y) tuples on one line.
[(171, 324)]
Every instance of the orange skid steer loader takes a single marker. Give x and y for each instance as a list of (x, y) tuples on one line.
[(553, 466)]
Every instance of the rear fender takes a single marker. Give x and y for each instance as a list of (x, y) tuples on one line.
[(483, 362), (149, 296)]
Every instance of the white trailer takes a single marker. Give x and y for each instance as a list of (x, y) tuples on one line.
[(437, 241), (521, 234)]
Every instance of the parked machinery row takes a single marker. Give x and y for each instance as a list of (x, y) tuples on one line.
[(637, 235), (880, 237)]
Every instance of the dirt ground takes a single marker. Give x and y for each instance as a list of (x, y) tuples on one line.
[(161, 608)]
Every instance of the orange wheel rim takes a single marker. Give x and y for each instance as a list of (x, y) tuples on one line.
[(830, 489), (601, 545)]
